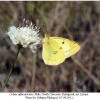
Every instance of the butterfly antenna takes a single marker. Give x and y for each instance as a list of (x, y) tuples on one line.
[(44, 28), (46, 32)]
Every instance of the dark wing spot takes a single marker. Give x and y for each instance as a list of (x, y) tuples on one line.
[(60, 47), (67, 50), (55, 52), (63, 42)]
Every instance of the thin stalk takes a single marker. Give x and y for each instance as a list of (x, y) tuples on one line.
[(33, 75), (7, 79)]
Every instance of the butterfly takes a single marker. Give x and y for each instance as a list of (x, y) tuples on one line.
[(57, 49)]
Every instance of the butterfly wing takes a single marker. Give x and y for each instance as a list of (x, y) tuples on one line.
[(52, 52), (69, 47)]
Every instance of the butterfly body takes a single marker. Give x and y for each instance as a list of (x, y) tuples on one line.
[(57, 49)]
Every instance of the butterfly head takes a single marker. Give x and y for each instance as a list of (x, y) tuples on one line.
[(47, 36)]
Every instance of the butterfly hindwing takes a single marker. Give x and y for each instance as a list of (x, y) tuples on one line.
[(52, 53)]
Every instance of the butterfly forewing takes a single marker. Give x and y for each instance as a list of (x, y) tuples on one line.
[(69, 47)]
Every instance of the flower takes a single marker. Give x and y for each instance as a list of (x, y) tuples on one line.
[(26, 36)]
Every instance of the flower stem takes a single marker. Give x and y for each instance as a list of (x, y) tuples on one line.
[(7, 79)]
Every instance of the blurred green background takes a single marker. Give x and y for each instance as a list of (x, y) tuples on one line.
[(78, 21)]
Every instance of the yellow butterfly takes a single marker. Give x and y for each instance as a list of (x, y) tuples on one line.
[(57, 49)]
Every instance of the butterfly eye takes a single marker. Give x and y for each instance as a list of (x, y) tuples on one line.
[(48, 43)]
